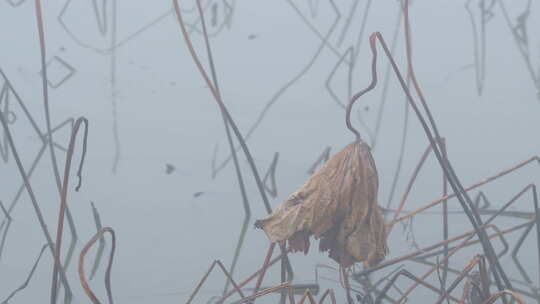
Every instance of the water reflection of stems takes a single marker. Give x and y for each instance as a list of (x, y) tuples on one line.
[(222, 106), (407, 274), (238, 171), (237, 250), (275, 97), (217, 98), (28, 278), (35, 205)]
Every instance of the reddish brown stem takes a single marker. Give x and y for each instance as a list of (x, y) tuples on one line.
[(63, 198), (82, 275)]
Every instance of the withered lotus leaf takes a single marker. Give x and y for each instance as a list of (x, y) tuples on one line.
[(338, 205)]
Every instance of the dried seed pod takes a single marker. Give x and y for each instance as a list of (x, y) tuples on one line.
[(338, 205)]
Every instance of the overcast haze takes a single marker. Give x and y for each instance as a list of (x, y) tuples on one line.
[(137, 81)]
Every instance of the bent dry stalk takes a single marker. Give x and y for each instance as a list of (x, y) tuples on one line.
[(82, 275), (63, 200), (223, 108), (445, 165), (437, 146), (35, 205)]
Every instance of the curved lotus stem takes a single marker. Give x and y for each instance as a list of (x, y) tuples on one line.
[(82, 275)]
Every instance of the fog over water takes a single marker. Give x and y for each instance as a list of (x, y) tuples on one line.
[(156, 135)]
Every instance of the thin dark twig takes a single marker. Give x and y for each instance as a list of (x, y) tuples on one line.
[(328, 292), (63, 199), (45, 88), (237, 288), (238, 171), (245, 201), (362, 30), (471, 187), (275, 97), (224, 110), (520, 241), (386, 81), (254, 275), (239, 245), (264, 268), (446, 293), (4, 235), (324, 39), (347, 24), (82, 276), (445, 214), (321, 160), (271, 174), (467, 235), (35, 162), (537, 220), (283, 274), (480, 48), (404, 133), (9, 89), (229, 277), (472, 277), (24, 108), (433, 134), (515, 251), (112, 86), (222, 106), (28, 278), (456, 186), (22, 187), (499, 233), (101, 246), (442, 283), (484, 279), (522, 47), (327, 83), (410, 184), (35, 204), (309, 296), (406, 273), (250, 299), (483, 227), (49, 138)]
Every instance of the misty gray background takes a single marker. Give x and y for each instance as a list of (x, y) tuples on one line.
[(166, 237)]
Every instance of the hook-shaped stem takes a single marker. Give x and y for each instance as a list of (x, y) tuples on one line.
[(82, 275), (371, 86)]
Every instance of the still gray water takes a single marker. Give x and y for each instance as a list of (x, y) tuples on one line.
[(156, 136)]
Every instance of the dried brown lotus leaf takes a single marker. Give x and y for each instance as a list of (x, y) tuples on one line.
[(338, 205)]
